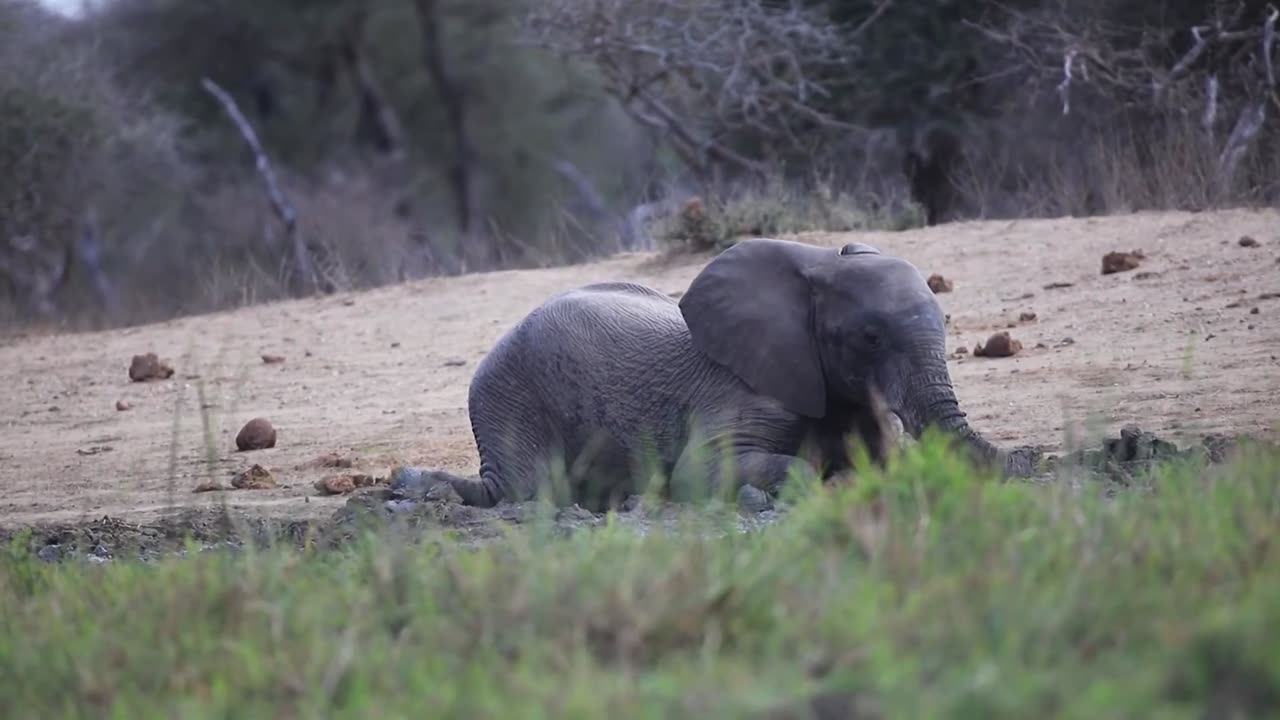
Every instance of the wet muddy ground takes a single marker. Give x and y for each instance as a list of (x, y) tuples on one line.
[(1119, 463)]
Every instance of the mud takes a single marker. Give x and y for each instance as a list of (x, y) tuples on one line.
[(438, 516), (1126, 459)]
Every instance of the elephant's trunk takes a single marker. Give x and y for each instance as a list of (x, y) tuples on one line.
[(928, 399)]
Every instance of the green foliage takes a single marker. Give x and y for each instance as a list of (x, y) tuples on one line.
[(922, 590)]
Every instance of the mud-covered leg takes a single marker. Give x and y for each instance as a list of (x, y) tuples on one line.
[(414, 484), (703, 472)]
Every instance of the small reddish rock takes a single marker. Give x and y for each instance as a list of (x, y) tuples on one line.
[(272, 359), (1000, 344), (1247, 242), (122, 405), (208, 486), (336, 485), (939, 284), (255, 478), (343, 484), (148, 367), (257, 434), (1114, 262)]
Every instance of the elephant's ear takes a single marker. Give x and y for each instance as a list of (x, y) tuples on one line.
[(750, 310)]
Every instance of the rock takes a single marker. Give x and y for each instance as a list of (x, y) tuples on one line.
[(1253, 311), (962, 350), (257, 434), (399, 506), (1115, 262), (752, 500), (122, 405), (1026, 317), (939, 284), (343, 484), (49, 553), (454, 363), (272, 359), (1001, 344), (208, 486), (1247, 242), (255, 478), (336, 485), (148, 367)]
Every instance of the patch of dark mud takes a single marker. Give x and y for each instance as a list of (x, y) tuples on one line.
[(440, 517), (1124, 460), (443, 516), (373, 509), (105, 539)]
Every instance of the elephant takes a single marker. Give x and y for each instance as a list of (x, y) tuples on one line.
[(776, 354)]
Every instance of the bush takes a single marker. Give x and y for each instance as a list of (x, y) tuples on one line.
[(773, 209)]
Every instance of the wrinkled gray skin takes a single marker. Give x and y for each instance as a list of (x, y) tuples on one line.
[(770, 353)]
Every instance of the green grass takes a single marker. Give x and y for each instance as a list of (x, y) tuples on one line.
[(923, 591)]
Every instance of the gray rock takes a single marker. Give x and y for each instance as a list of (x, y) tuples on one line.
[(753, 500)]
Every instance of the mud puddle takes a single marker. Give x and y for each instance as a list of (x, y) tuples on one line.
[(1119, 462)]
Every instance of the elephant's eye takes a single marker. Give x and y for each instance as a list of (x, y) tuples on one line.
[(872, 339)]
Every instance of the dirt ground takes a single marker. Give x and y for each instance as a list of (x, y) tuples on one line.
[(1184, 344)]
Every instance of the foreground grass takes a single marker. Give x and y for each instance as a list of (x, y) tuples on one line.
[(921, 592)]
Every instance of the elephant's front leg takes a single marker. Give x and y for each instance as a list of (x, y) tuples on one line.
[(705, 471)]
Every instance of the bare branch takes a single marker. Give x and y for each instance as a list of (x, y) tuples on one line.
[(1246, 129), (875, 15), (301, 254), (703, 72), (1180, 68), (454, 99), (1064, 87), (89, 251), (1210, 118), (1268, 41)]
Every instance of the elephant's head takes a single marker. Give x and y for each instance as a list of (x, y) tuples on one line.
[(818, 327)]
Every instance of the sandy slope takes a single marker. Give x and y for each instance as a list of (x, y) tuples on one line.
[(382, 376)]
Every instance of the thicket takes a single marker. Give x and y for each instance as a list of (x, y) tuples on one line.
[(416, 137)]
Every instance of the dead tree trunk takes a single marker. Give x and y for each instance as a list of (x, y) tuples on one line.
[(453, 101), (378, 121)]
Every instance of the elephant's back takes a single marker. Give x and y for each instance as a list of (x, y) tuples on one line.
[(616, 313), (605, 341)]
